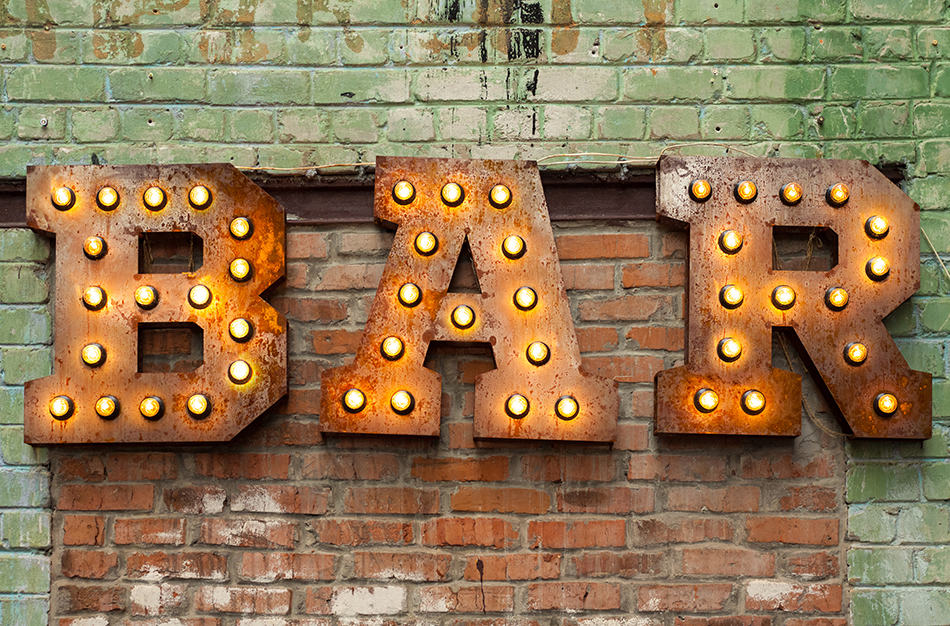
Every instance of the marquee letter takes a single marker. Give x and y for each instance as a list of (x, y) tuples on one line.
[(537, 390), (736, 297), (96, 392)]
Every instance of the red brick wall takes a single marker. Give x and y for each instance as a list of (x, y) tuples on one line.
[(282, 522)]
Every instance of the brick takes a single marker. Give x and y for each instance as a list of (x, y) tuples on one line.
[(352, 601), (252, 86), (403, 566), (196, 500), (258, 600), (88, 563), (587, 276), (266, 567), (83, 530), (657, 337), (882, 482), (156, 599), (569, 468), (576, 534), (247, 533), (812, 565), (105, 497), (311, 309), (494, 468), (557, 84), (786, 466), (674, 467), (469, 531), (281, 499), (500, 499), (727, 561), (349, 466), (679, 529), (665, 84), (716, 500), (606, 500), (45, 83), (809, 499), (653, 275), (622, 564), (27, 528), (176, 565), (878, 566), (793, 530), (169, 531), (771, 595), (877, 81), (242, 465), (573, 596), (602, 246), (697, 598), (466, 599), (391, 501), (635, 308), (98, 598), (775, 84), (343, 277), (513, 567)]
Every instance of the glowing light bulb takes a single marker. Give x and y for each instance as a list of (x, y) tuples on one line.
[(107, 407), (538, 353), (199, 296), (731, 296), (392, 348), (700, 190), (63, 198), (94, 298), (409, 294), (706, 400), (240, 228), (93, 354), (107, 198), (154, 198), (354, 400), (876, 227), (855, 353), (199, 197), (783, 297), (878, 268), (240, 329), (517, 406), (885, 403), (94, 247), (146, 296), (239, 372), (753, 401), (729, 349), (567, 408), (730, 241), (426, 243), (452, 194), (61, 407), (239, 269), (837, 194), (791, 193), (525, 298), (463, 316), (836, 298), (746, 191), (404, 192), (513, 247), (199, 406), (500, 196), (151, 407), (402, 402)]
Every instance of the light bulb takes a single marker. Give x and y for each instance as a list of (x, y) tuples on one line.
[(876, 227), (729, 349), (239, 269), (525, 298), (878, 268), (791, 193), (146, 296), (700, 190), (392, 348), (753, 401), (240, 228), (404, 192), (783, 297), (63, 198), (240, 329), (836, 298), (199, 296), (151, 407), (426, 243), (517, 406), (500, 196), (452, 194), (94, 298), (199, 406), (61, 407), (513, 247), (538, 353), (154, 198), (107, 198), (199, 197), (94, 247), (706, 400), (746, 191), (93, 354), (731, 296), (730, 241), (855, 353), (239, 372), (402, 402), (463, 316), (107, 407), (566, 408), (409, 294), (886, 403), (837, 194), (354, 400)]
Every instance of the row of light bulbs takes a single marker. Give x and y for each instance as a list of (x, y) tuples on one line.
[(753, 401), (154, 198), (452, 194), (791, 194), (729, 349)]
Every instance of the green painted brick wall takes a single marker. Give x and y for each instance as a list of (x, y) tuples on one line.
[(289, 84)]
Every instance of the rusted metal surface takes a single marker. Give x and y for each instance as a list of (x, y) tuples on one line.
[(497, 320), (824, 332), (114, 326)]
